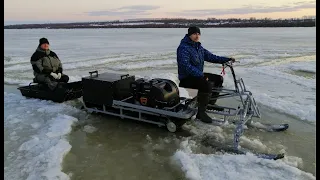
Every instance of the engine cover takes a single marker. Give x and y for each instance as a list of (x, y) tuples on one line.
[(157, 93)]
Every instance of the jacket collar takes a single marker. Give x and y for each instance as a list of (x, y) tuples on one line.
[(187, 40)]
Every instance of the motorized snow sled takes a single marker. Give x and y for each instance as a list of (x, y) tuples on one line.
[(156, 101)]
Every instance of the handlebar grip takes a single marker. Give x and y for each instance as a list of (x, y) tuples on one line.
[(96, 72), (126, 75)]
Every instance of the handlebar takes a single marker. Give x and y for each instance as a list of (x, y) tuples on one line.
[(229, 63)]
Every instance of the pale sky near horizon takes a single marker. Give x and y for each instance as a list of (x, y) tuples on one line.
[(100, 10)]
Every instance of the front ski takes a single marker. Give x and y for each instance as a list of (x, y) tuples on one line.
[(243, 151), (270, 156), (239, 131), (270, 127), (262, 155)]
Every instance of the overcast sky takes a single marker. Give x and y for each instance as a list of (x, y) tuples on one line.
[(99, 10)]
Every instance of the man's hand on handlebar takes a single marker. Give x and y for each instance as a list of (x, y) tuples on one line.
[(232, 60)]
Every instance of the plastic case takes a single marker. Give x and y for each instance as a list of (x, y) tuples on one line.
[(102, 89)]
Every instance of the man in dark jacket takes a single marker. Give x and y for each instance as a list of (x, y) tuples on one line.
[(47, 67), (190, 57)]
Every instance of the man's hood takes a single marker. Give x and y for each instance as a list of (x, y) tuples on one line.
[(187, 40)]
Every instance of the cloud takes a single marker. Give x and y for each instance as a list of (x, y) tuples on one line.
[(141, 7), (248, 9), (125, 11), (305, 3)]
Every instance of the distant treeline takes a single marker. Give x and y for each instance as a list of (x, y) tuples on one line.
[(175, 23)]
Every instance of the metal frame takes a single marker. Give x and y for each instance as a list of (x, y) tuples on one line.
[(245, 111), (183, 114)]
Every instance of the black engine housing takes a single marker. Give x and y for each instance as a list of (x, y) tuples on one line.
[(157, 93)]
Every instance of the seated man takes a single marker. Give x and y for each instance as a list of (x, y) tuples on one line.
[(190, 57), (47, 67)]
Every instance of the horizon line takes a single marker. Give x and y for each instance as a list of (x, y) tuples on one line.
[(8, 23)]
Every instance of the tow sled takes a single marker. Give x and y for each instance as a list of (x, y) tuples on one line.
[(65, 91), (157, 101)]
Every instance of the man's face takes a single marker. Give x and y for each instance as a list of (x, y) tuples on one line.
[(195, 37), (45, 46)]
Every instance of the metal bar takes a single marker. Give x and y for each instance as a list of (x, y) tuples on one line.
[(183, 115), (244, 86), (221, 113), (218, 122), (242, 90), (181, 101), (225, 96), (245, 108), (238, 132), (233, 114), (135, 110), (255, 107), (127, 98), (125, 116), (228, 90), (231, 95), (241, 100)]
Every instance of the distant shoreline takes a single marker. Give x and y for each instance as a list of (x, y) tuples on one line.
[(173, 23)]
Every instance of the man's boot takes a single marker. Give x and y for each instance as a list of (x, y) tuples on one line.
[(48, 80), (203, 100), (213, 101), (52, 85)]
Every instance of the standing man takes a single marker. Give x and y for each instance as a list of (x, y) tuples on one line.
[(47, 67), (190, 58)]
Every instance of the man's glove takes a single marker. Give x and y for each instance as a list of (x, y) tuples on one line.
[(54, 75), (59, 75)]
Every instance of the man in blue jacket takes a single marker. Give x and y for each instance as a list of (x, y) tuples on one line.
[(190, 57)]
